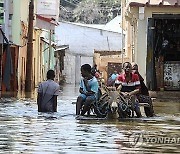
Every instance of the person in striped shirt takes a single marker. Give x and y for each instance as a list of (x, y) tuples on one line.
[(129, 84)]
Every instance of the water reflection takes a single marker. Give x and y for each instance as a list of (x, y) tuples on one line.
[(23, 129)]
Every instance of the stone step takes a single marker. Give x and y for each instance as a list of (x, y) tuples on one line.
[(165, 95)]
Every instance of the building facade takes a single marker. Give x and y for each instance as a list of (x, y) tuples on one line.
[(83, 40), (153, 40), (14, 42)]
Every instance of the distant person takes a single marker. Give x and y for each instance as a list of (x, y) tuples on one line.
[(47, 94), (88, 90), (97, 74), (144, 93), (114, 75), (112, 79)]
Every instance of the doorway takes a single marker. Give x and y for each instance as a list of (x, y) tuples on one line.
[(163, 52)]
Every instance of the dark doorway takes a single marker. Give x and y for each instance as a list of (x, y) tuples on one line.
[(114, 67), (163, 54)]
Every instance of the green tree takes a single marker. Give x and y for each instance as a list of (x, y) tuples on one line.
[(90, 11), (1, 12)]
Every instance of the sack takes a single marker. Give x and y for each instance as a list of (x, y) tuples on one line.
[(144, 98)]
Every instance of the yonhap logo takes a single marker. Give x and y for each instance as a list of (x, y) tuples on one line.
[(136, 139)]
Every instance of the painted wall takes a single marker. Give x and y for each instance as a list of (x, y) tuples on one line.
[(72, 65), (84, 39), (69, 69), (46, 51), (24, 10), (20, 13), (141, 50), (6, 26), (20, 30), (80, 60), (102, 63), (19, 34), (16, 22), (18, 25), (37, 58)]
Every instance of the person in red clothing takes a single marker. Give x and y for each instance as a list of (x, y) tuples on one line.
[(129, 84)]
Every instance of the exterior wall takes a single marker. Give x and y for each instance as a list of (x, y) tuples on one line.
[(45, 53), (82, 41), (80, 60), (14, 77), (22, 68), (72, 65), (69, 69), (87, 39), (102, 62), (141, 48), (16, 28), (19, 36), (40, 48), (22, 56), (37, 58), (24, 10), (20, 32), (6, 25)]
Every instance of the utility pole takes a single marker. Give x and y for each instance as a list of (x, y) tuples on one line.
[(50, 50), (29, 58), (122, 31)]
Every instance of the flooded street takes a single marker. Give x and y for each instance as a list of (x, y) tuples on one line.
[(24, 130)]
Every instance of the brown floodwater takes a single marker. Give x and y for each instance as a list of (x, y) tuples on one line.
[(24, 130)]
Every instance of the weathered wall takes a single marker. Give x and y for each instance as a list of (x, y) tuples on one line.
[(83, 39), (72, 65), (102, 62), (140, 34)]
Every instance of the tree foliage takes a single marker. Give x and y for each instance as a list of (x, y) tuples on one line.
[(89, 11)]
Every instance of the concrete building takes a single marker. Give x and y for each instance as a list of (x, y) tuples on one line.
[(14, 40), (153, 40), (83, 40), (14, 30)]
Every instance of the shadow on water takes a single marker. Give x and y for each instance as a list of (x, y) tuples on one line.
[(24, 130)]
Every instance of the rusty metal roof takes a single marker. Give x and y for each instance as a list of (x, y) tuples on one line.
[(47, 19), (155, 3)]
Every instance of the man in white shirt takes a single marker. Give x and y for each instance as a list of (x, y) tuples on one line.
[(47, 94)]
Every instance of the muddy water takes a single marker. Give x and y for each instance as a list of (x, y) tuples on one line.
[(24, 130)]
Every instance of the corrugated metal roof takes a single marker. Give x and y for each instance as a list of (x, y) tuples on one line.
[(156, 3), (112, 26), (60, 48), (47, 19)]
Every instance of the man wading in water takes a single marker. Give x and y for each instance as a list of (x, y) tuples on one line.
[(47, 94)]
